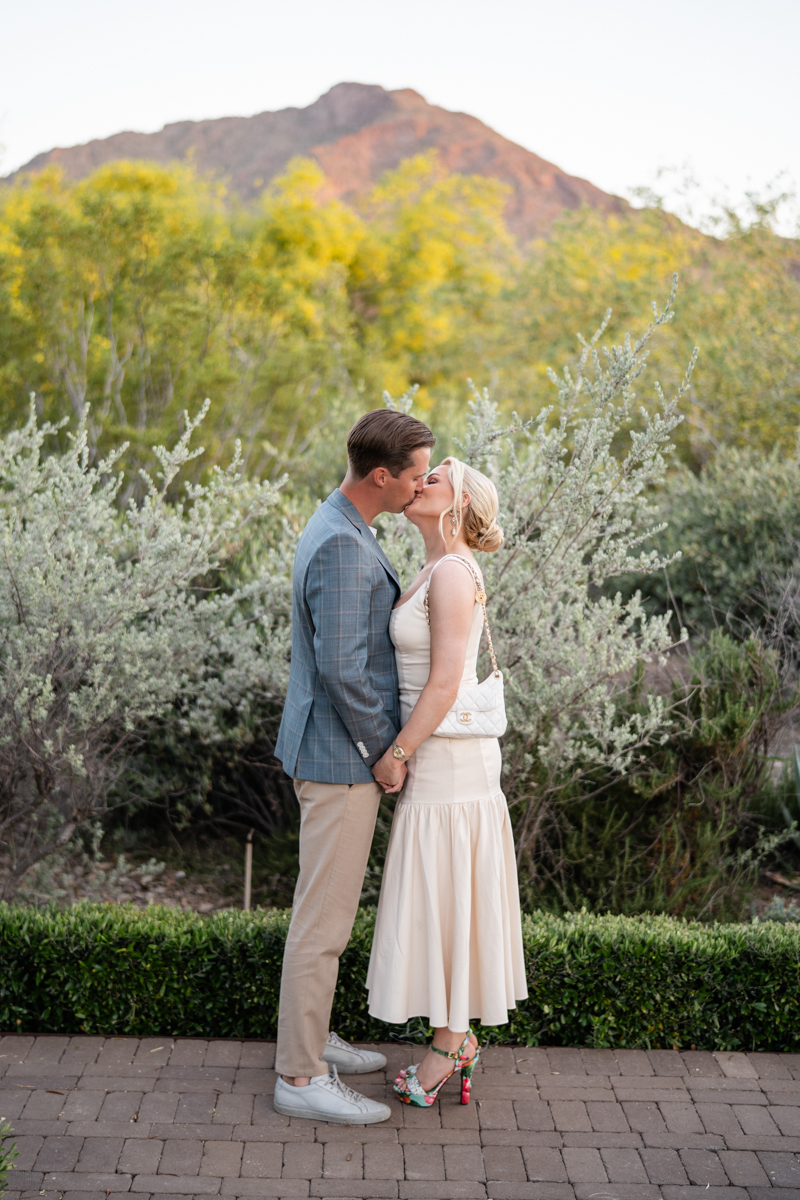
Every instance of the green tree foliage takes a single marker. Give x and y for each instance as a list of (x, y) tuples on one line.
[(141, 290)]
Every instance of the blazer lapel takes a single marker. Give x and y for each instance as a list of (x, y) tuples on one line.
[(349, 510)]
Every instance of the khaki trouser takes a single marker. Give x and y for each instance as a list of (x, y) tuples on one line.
[(337, 822)]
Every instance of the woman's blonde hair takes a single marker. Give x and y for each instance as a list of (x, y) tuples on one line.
[(479, 518)]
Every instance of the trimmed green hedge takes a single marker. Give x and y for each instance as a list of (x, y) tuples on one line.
[(594, 981)]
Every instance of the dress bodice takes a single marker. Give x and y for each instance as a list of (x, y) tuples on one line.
[(411, 636)]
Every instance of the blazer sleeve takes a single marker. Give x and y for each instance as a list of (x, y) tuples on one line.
[(338, 594)]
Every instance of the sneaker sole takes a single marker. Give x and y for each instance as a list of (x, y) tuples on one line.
[(364, 1069), (286, 1110)]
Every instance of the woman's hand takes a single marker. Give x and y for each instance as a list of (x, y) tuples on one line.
[(390, 772)]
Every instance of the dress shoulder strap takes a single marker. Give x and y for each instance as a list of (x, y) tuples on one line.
[(480, 598)]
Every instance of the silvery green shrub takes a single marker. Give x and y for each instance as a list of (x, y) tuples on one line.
[(109, 618), (575, 510)]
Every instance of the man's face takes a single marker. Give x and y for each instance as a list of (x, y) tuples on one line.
[(400, 491)]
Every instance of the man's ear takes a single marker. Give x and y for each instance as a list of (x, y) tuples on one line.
[(380, 476)]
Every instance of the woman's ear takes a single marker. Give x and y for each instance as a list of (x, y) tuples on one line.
[(465, 501)]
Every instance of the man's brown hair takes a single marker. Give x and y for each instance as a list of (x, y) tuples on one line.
[(385, 438)]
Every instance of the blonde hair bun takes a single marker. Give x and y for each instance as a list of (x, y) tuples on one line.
[(479, 519)]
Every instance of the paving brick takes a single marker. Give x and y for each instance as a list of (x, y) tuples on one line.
[(264, 1187), (743, 1168), (533, 1114), (718, 1118), (584, 1165), (82, 1050), (735, 1065), (117, 1079), (352, 1188), (495, 1114), (531, 1060), (233, 1109), (755, 1120), (633, 1062), (257, 1054), (82, 1106), (262, 1160), (158, 1106), (154, 1052), (783, 1169), (12, 1102), (253, 1081), (95, 1182), (100, 1154), (455, 1115), (643, 1117), (302, 1161), (544, 1164), (27, 1151), (223, 1054), (188, 1052), (704, 1166), (455, 1190), (620, 1191), (196, 1107), (384, 1160), (599, 1062), (587, 1091), (681, 1118), (565, 1061), (180, 1158), (701, 1086), (58, 1154), (769, 1066), (467, 1162), (123, 1129), (120, 1106), (140, 1156), (570, 1114), (182, 1185), (598, 1140), (16, 1045), (499, 1058), (701, 1062), (43, 1106), (607, 1118), (684, 1141), (118, 1051), (343, 1160), (666, 1062), (504, 1164), (221, 1158), (663, 1166), (787, 1119), (424, 1118), (623, 1165), (695, 1191), (423, 1162), (47, 1050)]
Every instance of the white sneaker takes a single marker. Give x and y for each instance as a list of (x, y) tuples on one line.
[(349, 1060), (326, 1098)]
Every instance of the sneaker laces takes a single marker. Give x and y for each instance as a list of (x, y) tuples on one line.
[(334, 1084), (339, 1043)]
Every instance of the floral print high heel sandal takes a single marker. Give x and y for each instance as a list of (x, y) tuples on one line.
[(409, 1090)]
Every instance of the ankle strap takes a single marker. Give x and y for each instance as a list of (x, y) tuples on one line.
[(452, 1053)]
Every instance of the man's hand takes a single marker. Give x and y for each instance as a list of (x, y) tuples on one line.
[(390, 772)]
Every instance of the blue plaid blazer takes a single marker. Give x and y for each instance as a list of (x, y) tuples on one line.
[(342, 705)]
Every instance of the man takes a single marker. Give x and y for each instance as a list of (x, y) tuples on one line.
[(341, 714)]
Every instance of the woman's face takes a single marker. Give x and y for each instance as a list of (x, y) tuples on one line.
[(435, 498)]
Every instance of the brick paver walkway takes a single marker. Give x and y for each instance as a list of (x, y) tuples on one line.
[(157, 1117)]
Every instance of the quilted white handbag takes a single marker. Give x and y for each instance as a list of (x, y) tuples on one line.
[(479, 710)]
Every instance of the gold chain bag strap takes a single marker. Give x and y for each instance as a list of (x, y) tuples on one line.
[(479, 710)]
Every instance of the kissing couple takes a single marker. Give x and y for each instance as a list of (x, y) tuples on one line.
[(374, 705)]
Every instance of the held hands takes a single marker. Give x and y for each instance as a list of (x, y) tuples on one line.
[(390, 772)]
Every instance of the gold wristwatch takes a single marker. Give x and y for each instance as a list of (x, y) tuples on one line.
[(399, 752)]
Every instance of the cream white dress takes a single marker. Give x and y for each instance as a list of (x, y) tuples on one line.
[(448, 933)]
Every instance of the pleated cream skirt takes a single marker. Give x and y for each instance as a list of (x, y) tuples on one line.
[(448, 931)]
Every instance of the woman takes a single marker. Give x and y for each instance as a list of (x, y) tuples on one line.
[(448, 936)]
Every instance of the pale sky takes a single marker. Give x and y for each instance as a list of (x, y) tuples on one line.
[(612, 90)]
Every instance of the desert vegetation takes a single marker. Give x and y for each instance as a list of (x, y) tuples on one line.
[(645, 604)]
